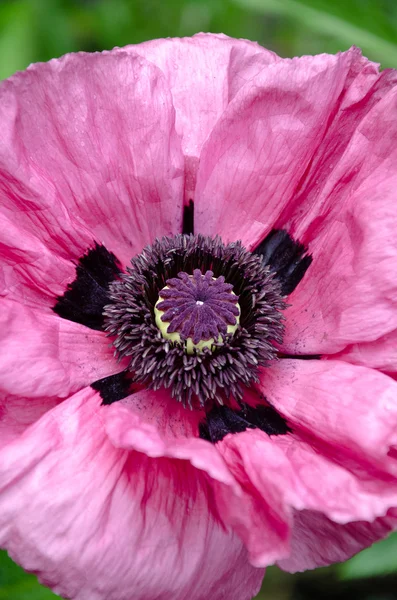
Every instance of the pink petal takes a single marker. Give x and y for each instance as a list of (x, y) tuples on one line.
[(347, 412), (170, 434), (259, 150), (89, 149), (345, 213), (379, 354), (158, 408), (317, 541), (338, 461), (283, 474), (264, 522), (157, 425), (16, 414), (29, 272), (98, 522), (204, 73), (42, 355)]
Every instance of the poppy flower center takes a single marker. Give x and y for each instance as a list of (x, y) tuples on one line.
[(196, 316), (199, 310)]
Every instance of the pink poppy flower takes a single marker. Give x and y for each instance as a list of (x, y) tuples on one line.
[(170, 428)]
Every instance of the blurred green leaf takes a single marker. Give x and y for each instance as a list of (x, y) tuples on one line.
[(17, 45), (15, 584), (370, 25), (379, 559)]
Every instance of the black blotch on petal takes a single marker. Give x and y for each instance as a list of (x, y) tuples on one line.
[(221, 420), (113, 388), (286, 257), (188, 218), (85, 298), (266, 418), (300, 356), (204, 433)]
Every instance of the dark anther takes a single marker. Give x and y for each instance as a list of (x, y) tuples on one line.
[(217, 373), (188, 218), (221, 420), (286, 257), (85, 298), (113, 388)]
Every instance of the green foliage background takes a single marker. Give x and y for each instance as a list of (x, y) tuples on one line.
[(37, 30)]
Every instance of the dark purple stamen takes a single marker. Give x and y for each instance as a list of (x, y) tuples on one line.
[(218, 372), (198, 306)]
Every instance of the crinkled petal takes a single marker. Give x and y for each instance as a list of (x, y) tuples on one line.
[(347, 412), (128, 428), (258, 152), (204, 73), (99, 522), (283, 474), (89, 150), (153, 423), (16, 414), (317, 541), (42, 355), (379, 354), (339, 459), (29, 272), (345, 214), (158, 408), (264, 522)]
